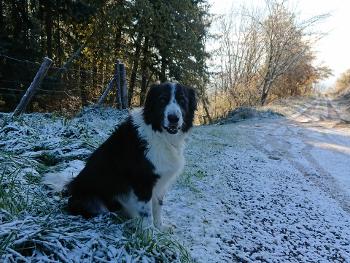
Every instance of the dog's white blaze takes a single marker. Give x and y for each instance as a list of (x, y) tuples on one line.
[(173, 108), (165, 152)]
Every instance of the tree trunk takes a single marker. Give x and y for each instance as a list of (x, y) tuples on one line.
[(94, 70), (162, 75), (59, 54), (265, 91), (144, 72), (266, 85), (263, 98), (15, 13), (1, 16), (117, 42), (83, 91), (48, 28), (206, 109), (23, 10), (27, 27), (105, 77), (41, 14), (100, 79), (135, 65), (118, 34)]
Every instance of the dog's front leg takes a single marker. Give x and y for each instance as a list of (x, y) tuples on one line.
[(157, 203), (138, 208), (145, 213)]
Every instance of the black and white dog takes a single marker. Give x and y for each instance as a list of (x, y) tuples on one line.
[(134, 167)]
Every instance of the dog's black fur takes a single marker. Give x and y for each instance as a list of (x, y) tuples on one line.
[(119, 164)]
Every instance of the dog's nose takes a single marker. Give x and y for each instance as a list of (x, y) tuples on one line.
[(173, 119)]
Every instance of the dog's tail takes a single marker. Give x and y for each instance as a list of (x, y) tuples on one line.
[(57, 181)]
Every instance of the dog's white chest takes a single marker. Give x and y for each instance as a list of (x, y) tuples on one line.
[(164, 151), (167, 159), (168, 162)]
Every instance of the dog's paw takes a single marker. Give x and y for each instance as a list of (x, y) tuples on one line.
[(166, 228), (146, 223)]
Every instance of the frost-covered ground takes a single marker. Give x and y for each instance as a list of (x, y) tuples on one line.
[(33, 224), (263, 189)]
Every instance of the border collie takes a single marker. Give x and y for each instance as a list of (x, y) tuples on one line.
[(135, 166)]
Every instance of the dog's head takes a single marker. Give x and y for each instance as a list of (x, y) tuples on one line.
[(170, 107)]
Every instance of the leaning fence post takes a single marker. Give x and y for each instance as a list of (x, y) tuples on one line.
[(123, 90), (40, 75), (110, 85), (104, 95)]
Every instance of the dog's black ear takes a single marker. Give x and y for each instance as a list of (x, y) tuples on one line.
[(151, 89), (192, 99)]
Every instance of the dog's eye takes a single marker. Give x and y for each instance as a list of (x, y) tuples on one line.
[(163, 100), (182, 100)]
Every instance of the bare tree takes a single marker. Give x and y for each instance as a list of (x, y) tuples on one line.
[(286, 42), (240, 55), (258, 47)]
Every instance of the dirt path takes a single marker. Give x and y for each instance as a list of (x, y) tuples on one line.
[(316, 142), (268, 190)]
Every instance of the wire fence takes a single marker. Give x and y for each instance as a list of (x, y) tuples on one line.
[(52, 67), (64, 90)]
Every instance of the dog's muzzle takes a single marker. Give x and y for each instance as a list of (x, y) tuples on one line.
[(172, 126)]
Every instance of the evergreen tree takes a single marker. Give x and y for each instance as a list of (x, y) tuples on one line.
[(156, 39)]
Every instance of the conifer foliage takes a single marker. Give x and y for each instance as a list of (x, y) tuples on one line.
[(155, 39)]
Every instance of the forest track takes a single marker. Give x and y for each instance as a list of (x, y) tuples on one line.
[(296, 137)]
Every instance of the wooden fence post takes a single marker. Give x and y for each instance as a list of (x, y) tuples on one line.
[(123, 90), (119, 79), (40, 75), (105, 92), (109, 86)]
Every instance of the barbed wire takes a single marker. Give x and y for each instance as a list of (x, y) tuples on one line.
[(60, 82), (44, 90), (15, 81), (76, 70), (11, 94), (19, 95), (44, 96), (64, 69), (20, 60), (19, 90), (54, 83)]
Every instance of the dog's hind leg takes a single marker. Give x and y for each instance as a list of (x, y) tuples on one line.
[(87, 206)]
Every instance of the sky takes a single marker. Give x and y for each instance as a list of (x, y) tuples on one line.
[(332, 50)]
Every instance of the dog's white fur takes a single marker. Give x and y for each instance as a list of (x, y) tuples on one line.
[(165, 152)]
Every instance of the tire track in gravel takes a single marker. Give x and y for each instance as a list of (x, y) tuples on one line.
[(306, 164), (324, 179)]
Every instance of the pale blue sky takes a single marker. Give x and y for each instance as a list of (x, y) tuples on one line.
[(334, 49)]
